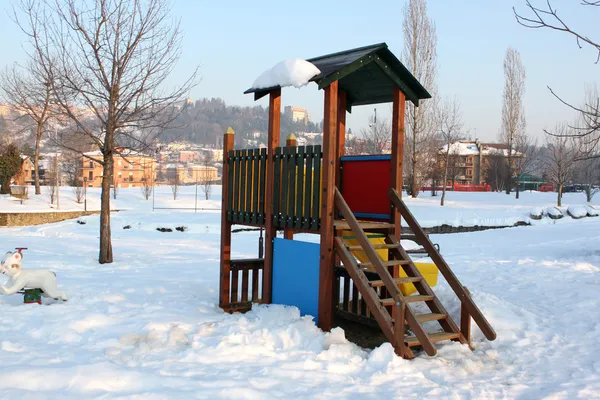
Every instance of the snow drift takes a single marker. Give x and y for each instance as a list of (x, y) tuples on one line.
[(293, 72)]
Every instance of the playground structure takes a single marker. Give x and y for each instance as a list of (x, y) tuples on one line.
[(319, 190)]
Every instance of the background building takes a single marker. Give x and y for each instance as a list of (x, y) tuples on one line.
[(131, 169)]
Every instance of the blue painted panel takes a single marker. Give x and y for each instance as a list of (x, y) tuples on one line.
[(366, 158), (372, 216), (296, 275)]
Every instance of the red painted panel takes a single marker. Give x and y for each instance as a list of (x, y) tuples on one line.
[(365, 185)]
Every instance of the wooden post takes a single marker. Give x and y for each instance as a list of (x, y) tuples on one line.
[(330, 122), (341, 135), (290, 141), (270, 230), (399, 312), (398, 109), (225, 266), (465, 321)]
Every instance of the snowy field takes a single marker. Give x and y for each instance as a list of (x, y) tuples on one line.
[(148, 325)]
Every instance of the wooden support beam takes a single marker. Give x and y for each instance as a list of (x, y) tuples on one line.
[(225, 266), (330, 121), (398, 110), (465, 321), (341, 135), (290, 141), (270, 230)]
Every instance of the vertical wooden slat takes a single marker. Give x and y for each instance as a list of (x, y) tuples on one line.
[(341, 135), (236, 186), (299, 187), (363, 307), (325, 319), (346, 300), (270, 230), (465, 320), (292, 188), (399, 314), (255, 184), (234, 283), (398, 109), (285, 179), (308, 187), (354, 299), (243, 184), (230, 165), (255, 283), (288, 233), (262, 190), (336, 291), (225, 259), (245, 272), (316, 206), (277, 193)]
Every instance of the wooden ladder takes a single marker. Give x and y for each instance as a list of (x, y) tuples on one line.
[(392, 312)]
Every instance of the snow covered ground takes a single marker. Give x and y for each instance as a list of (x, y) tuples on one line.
[(148, 325)]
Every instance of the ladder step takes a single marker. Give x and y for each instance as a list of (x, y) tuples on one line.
[(416, 251), (376, 246), (408, 299), (412, 341), (390, 263), (341, 224), (430, 317), (412, 238), (409, 279)]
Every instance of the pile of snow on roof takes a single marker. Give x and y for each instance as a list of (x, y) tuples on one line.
[(293, 72)]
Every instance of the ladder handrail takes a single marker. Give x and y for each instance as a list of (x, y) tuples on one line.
[(443, 267), (388, 280)]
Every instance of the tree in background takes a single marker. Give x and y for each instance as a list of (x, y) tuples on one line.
[(28, 87), (496, 171), (513, 114), (207, 182), (174, 183), (450, 125), (109, 62), (10, 165), (559, 165), (526, 159), (420, 56), (378, 136), (547, 17)]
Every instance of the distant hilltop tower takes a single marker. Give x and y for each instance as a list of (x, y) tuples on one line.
[(296, 114)]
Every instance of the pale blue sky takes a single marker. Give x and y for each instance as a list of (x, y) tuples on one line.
[(234, 41)]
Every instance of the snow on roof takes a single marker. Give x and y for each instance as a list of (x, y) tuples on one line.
[(470, 148), (293, 72), (461, 148)]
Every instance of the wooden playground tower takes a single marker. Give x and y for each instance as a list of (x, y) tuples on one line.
[(308, 189)]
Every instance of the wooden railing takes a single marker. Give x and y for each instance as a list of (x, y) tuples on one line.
[(245, 278), (246, 186), (297, 196), (348, 301), (468, 305)]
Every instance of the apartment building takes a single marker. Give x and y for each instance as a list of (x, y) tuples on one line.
[(131, 169)]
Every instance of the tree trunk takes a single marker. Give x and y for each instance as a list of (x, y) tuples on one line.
[(588, 193), (509, 169), (5, 189), (106, 255), (518, 183), (444, 183), (36, 159), (559, 197)]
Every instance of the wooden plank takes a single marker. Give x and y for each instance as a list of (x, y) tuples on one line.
[(230, 166), (325, 318), (291, 188), (336, 291), (250, 183), (270, 230), (409, 299), (340, 146), (299, 188), (285, 179), (316, 206), (381, 315), (255, 184), (236, 186), (399, 313), (430, 317), (389, 263), (234, 284), (262, 189), (465, 321), (434, 337), (346, 298), (365, 226), (290, 142), (245, 284), (255, 277), (277, 194), (225, 246), (243, 183), (398, 116), (443, 267), (308, 187), (397, 280), (376, 246), (354, 308)]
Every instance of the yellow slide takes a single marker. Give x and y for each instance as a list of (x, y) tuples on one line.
[(428, 270)]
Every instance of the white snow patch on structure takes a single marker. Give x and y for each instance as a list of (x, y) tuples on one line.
[(293, 72), (577, 211)]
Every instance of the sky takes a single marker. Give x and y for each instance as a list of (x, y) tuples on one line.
[(233, 42)]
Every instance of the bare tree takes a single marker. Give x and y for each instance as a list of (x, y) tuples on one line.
[(147, 182), (378, 137), (207, 181), (547, 17), (495, 168), (52, 177), (174, 182), (110, 61), (449, 121), (587, 163), (526, 159), (78, 192), (420, 56), (559, 163), (513, 113)]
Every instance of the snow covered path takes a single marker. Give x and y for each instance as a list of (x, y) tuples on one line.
[(148, 325)]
